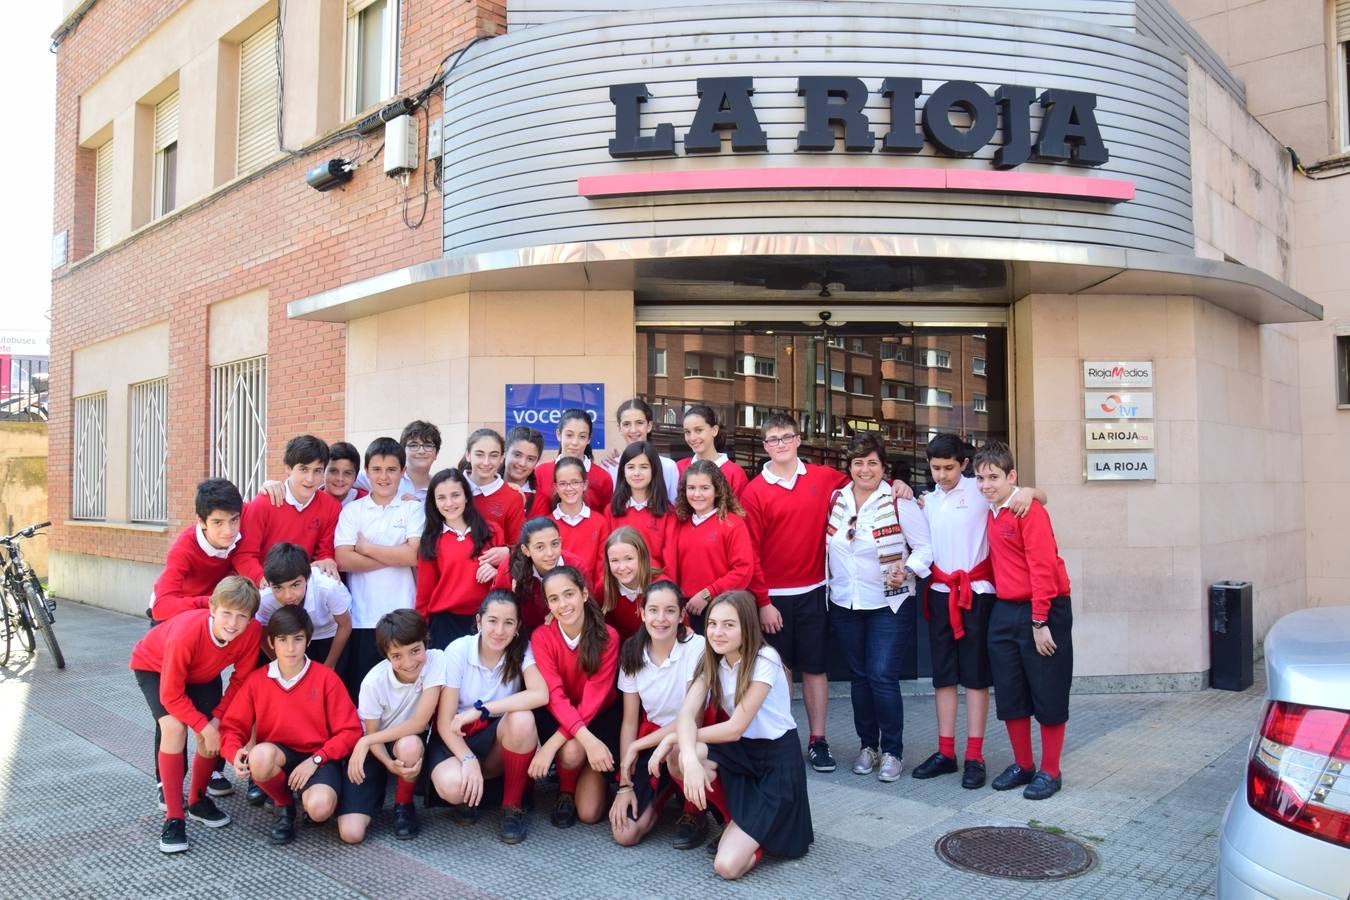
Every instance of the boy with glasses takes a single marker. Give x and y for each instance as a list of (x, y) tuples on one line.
[(421, 443)]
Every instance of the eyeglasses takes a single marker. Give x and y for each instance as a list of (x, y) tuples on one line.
[(780, 440), (569, 484), (418, 448), (853, 527)]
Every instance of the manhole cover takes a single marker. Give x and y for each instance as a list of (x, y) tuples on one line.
[(1022, 853)]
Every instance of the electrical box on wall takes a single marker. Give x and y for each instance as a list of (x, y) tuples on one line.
[(400, 145)]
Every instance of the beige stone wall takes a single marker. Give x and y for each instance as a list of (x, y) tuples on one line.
[(1227, 503), (447, 361), (1241, 182), (23, 485)]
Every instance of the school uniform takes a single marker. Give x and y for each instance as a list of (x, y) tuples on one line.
[(583, 535), (714, 553), (381, 590), (599, 488), (1032, 584), (501, 506), (533, 606), (192, 570), (308, 525), (467, 674), (626, 616), (305, 716), (670, 474), (326, 598), (786, 520), (405, 487), (353, 493), (448, 590), (661, 689), (178, 665), (960, 595), (391, 702), (762, 775), (652, 528), (577, 699), (733, 473)]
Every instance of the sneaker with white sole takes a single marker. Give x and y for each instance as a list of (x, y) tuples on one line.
[(205, 812), (219, 786), (818, 754), (892, 767), (865, 762), (173, 837)]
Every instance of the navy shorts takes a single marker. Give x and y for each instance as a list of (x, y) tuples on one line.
[(330, 773), (965, 661), (1026, 683), (804, 640)]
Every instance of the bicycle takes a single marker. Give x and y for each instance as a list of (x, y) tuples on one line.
[(27, 608)]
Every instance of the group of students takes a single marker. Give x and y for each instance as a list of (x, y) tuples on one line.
[(471, 631)]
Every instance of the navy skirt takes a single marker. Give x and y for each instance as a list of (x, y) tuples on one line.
[(765, 785)]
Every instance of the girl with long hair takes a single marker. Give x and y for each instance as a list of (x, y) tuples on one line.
[(578, 655), (708, 549), (636, 421), (628, 573), (583, 529), (485, 721), (535, 553), (703, 434), (451, 578), (750, 766), (524, 446), (482, 462), (574, 440), (656, 665), (640, 497)]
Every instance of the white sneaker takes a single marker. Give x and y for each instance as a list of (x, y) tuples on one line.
[(891, 768), (865, 762)]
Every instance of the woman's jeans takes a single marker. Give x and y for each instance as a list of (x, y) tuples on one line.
[(874, 641)]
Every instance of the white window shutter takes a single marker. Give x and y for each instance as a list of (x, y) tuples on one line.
[(103, 174), (258, 97), (166, 121)]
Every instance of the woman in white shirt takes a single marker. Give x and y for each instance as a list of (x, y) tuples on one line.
[(865, 562)]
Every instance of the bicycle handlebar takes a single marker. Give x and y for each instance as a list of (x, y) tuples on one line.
[(28, 532)]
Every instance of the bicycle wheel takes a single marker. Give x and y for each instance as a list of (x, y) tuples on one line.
[(22, 626), (7, 614), (42, 618)]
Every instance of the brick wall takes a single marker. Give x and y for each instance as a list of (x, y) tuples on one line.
[(270, 232)]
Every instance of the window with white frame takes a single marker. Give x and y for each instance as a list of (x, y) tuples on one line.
[(89, 494), (758, 365), (1343, 68), (898, 352), (977, 365), (979, 403), (103, 175), (259, 96), (372, 53), (239, 423), (149, 451), (166, 155), (936, 397), (836, 380), (938, 359), (656, 363)]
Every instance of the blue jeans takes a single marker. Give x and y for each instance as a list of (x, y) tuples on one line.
[(874, 641)]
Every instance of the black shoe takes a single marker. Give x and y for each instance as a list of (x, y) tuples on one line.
[(1014, 776), (935, 765), (564, 812), (205, 812), (1042, 786), (711, 849), (219, 786), (464, 814), (255, 795), (405, 822), (974, 775), (513, 825), (173, 837), (283, 829), (818, 753), (159, 798), (690, 831)]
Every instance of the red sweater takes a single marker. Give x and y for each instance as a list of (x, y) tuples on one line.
[(1026, 559), (787, 528), (574, 698), (449, 583), (183, 652), (265, 525), (735, 475), (534, 607), (599, 489), (652, 528), (586, 542), (189, 577), (505, 508), (716, 555), (625, 618), (314, 716)]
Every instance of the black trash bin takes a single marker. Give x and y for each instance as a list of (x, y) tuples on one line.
[(1230, 635)]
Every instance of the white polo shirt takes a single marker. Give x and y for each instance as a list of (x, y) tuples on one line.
[(387, 588), (956, 533), (774, 718), (662, 688), (670, 473), (325, 598), (391, 701), (465, 671), (405, 485)]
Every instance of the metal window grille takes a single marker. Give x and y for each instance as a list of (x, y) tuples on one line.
[(149, 451), (91, 457), (103, 173), (239, 423), (258, 98)]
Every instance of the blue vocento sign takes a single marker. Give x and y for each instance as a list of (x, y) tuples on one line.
[(541, 405)]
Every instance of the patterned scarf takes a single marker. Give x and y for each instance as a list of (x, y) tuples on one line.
[(891, 547)]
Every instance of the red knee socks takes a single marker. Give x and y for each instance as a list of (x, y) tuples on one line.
[(947, 745), (567, 779), (172, 771), (974, 749), (1052, 745), (202, 767), (403, 791), (516, 775), (276, 788), (1019, 735)]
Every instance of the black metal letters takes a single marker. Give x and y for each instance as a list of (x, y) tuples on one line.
[(725, 103)]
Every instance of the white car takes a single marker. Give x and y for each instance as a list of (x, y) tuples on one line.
[(1286, 832)]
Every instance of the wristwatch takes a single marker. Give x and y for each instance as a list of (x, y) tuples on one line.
[(483, 713), (317, 759), (1038, 623)]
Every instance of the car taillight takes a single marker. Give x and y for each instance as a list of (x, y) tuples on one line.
[(1299, 773)]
